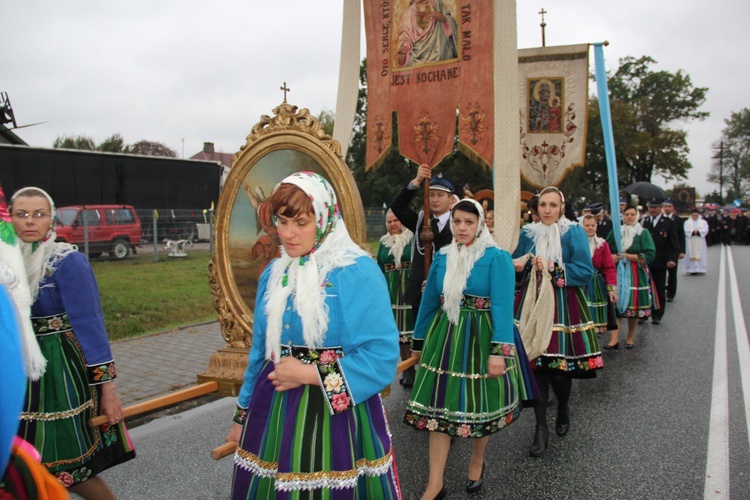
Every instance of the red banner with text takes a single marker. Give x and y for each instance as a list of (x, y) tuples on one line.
[(428, 60)]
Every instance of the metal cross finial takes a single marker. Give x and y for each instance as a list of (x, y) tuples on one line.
[(285, 89), (543, 25)]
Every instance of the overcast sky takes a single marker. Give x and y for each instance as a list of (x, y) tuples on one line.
[(197, 71)]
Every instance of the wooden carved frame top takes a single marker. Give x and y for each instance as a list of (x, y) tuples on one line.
[(288, 134)]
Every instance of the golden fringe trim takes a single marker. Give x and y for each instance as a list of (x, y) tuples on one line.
[(57, 415), (270, 469)]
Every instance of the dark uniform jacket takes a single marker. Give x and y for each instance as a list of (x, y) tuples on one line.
[(665, 239), (409, 218), (604, 227), (679, 223)]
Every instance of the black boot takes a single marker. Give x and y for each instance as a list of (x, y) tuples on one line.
[(563, 421), (407, 378), (541, 440)]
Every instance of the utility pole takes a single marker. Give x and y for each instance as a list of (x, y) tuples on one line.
[(721, 173)]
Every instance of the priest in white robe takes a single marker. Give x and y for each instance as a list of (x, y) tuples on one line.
[(696, 230)]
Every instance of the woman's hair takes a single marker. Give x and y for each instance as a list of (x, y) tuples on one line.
[(292, 199), (533, 204), (465, 206), (629, 207), (588, 216)]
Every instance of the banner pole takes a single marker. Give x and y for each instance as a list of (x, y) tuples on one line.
[(609, 142)]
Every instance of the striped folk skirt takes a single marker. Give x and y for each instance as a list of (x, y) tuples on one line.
[(396, 280), (603, 311), (573, 348), (58, 407), (293, 448), (453, 393), (642, 293)]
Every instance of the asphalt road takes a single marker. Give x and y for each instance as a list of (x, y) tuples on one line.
[(640, 430)]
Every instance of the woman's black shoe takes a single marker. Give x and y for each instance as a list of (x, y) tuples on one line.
[(563, 422), (441, 494), (474, 486), (612, 347), (541, 440), (407, 378)]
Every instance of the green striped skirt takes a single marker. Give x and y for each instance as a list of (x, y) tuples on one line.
[(59, 405), (292, 447), (452, 392)]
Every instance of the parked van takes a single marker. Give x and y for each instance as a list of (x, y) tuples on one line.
[(112, 229)]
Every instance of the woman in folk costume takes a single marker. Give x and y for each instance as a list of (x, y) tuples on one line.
[(602, 291), (310, 422), (696, 230), (470, 381), (394, 259), (79, 380), (552, 311), (637, 290)]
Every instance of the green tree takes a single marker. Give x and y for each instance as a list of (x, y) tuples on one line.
[(74, 142), (327, 120), (647, 134), (151, 148), (112, 144), (731, 161), (379, 186)]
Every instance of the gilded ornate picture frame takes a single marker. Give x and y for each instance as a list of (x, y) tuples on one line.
[(246, 241)]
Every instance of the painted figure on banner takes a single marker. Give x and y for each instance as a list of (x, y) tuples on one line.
[(267, 246), (427, 33), (545, 105)]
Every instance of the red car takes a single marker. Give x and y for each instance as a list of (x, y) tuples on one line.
[(114, 229)]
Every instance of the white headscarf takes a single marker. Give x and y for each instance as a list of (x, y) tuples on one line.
[(304, 278), (37, 259), (396, 243), (548, 239), (460, 261), (44, 255), (628, 234)]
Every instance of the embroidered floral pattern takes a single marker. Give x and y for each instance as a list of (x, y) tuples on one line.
[(569, 365), (505, 350), (461, 429), (332, 380), (74, 477), (109, 434), (239, 415), (105, 372), (65, 478), (51, 324)]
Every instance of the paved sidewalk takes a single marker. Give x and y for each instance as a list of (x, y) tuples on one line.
[(158, 364)]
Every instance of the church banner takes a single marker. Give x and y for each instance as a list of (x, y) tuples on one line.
[(428, 60), (554, 102)]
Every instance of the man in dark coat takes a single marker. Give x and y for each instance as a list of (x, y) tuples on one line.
[(441, 200), (664, 234), (679, 222), (603, 221)]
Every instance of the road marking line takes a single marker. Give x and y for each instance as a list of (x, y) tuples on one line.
[(740, 333), (717, 459)]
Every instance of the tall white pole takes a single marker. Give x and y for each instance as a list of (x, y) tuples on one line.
[(506, 164)]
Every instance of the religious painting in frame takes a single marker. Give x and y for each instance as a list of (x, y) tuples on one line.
[(246, 239)]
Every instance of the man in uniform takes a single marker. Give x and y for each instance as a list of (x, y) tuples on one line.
[(441, 200), (664, 234), (603, 221), (679, 222)]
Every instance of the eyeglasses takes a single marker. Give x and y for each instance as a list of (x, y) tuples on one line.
[(38, 215)]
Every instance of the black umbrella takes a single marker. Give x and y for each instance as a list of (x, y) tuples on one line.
[(646, 190)]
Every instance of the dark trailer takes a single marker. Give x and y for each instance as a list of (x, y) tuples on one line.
[(178, 189)]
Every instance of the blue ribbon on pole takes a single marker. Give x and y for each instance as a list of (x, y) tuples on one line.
[(609, 143)]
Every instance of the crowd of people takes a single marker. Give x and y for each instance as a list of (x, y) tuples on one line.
[(489, 333)]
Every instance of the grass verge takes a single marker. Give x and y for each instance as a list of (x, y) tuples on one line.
[(141, 297)]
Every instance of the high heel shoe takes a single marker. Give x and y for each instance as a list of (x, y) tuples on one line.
[(612, 347), (441, 494), (563, 421), (474, 486), (541, 441)]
